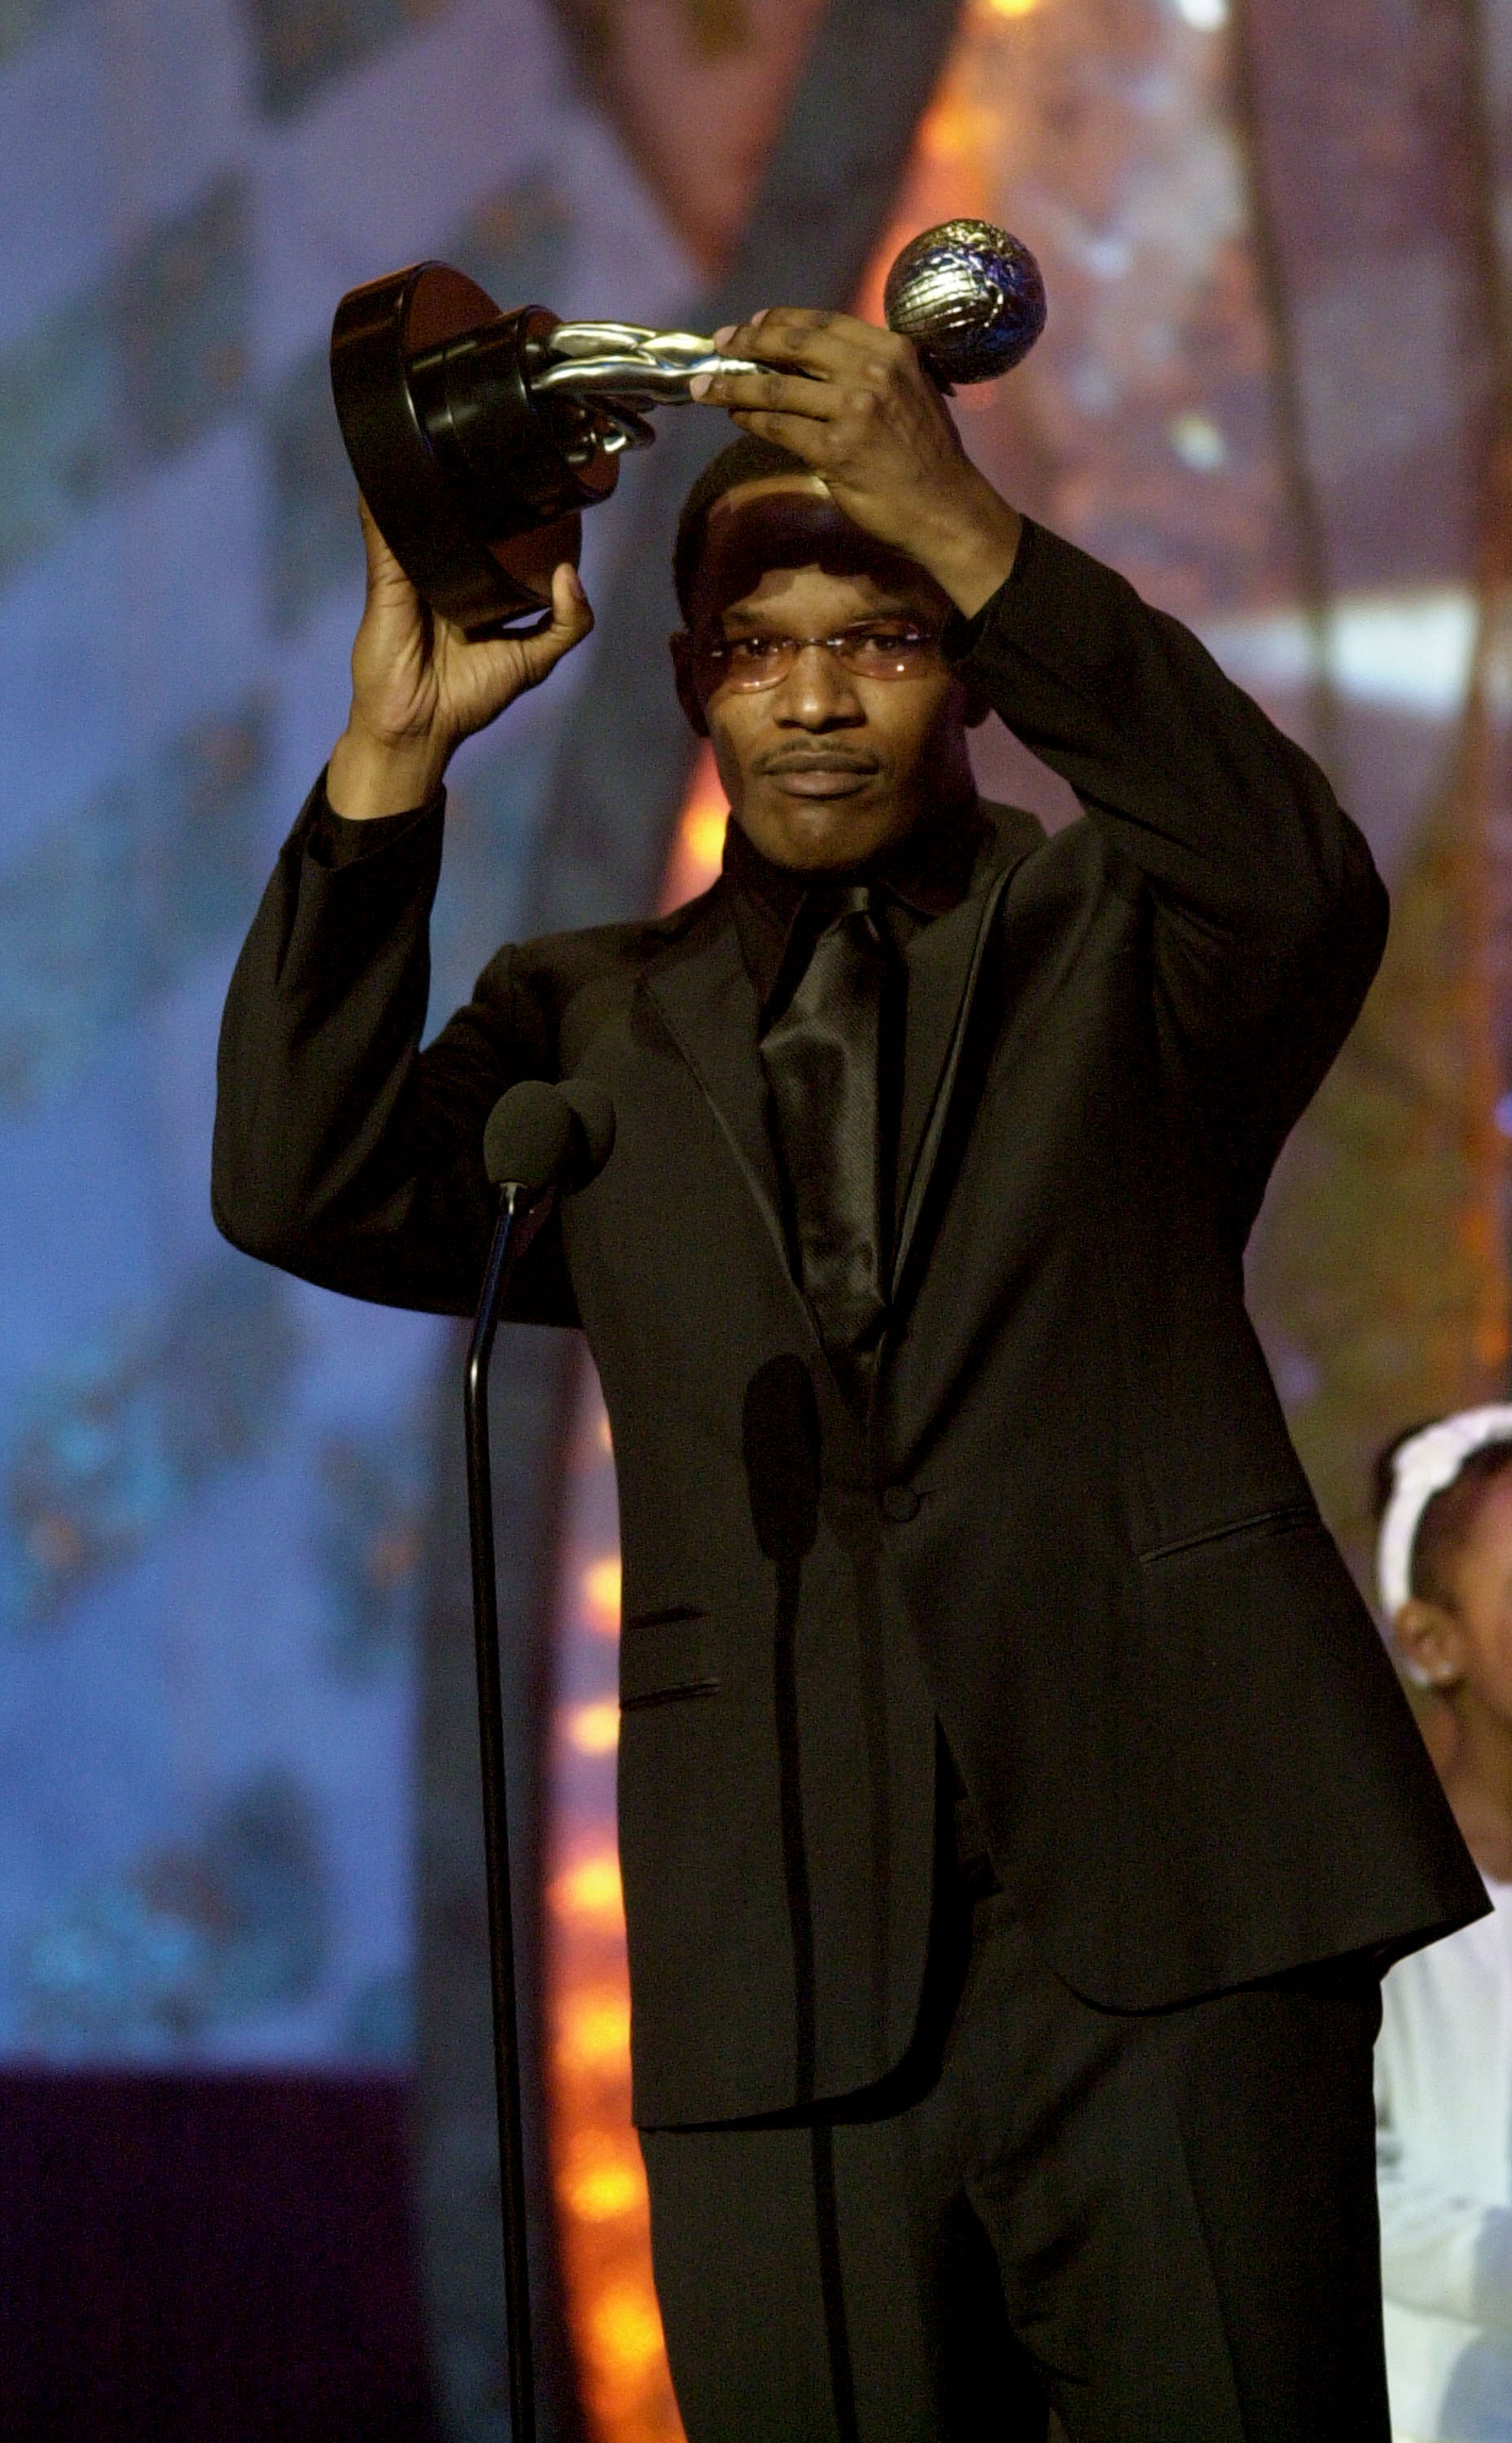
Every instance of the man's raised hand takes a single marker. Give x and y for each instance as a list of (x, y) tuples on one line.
[(419, 687), (856, 405)]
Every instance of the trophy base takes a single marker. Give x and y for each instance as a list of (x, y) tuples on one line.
[(525, 565), (476, 489)]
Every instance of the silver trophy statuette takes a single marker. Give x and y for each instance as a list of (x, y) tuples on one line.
[(480, 437), (621, 369)]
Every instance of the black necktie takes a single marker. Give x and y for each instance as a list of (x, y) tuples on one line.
[(820, 1058)]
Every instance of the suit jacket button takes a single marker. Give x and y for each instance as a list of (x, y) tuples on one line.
[(899, 1503)]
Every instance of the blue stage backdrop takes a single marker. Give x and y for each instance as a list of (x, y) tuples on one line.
[(211, 1478)]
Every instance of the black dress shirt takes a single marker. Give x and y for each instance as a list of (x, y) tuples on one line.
[(778, 910)]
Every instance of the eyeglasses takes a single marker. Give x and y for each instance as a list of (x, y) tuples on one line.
[(874, 648)]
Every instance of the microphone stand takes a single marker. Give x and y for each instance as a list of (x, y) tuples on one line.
[(519, 1218)]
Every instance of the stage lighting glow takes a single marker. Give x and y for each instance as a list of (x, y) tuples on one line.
[(595, 2032), (953, 134), (591, 1890), (602, 1583), (602, 2176), (699, 843), (1409, 652), (628, 2329), (594, 1730), (1198, 442)]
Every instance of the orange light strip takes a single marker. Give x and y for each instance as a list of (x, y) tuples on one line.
[(699, 842), (598, 2180), (603, 2218)]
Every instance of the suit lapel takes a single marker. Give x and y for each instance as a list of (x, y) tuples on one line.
[(944, 961), (708, 1004)]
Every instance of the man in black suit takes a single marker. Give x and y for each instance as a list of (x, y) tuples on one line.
[(1016, 1803)]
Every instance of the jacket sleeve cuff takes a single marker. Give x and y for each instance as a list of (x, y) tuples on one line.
[(960, 636), (333, 840)]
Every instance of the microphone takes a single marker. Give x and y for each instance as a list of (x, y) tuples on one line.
[(540, 1136), (541, 1141)]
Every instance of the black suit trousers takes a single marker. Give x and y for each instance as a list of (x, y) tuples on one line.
[(1161, 2224)]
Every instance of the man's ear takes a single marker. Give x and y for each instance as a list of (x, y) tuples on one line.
[(1430, 1642), (681, 644)]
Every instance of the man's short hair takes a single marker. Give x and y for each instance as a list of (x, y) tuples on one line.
[(745, 461)]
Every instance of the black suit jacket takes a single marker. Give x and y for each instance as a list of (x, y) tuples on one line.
[(1074, 1529)]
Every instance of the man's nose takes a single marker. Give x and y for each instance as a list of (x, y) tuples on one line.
[(818, 692)]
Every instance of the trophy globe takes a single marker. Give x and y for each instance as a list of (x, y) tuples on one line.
[(971, 298)]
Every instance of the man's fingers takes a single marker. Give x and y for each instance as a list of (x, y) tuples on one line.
[(772, 393), (837, 347), (799, 434), (569, 620), (570, 604), (383, 569), (373, 545)]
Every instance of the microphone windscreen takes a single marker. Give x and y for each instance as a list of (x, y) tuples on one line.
[(528, 1136), (594, 1141)]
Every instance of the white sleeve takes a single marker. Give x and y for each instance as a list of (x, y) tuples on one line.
[(1444, 2254)]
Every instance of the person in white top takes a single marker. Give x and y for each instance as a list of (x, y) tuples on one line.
[(1444, 2062)]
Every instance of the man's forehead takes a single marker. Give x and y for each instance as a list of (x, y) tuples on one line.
[(815, 591), (763, 536)]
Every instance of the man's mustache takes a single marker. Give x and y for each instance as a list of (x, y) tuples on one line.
[(814, 758)]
